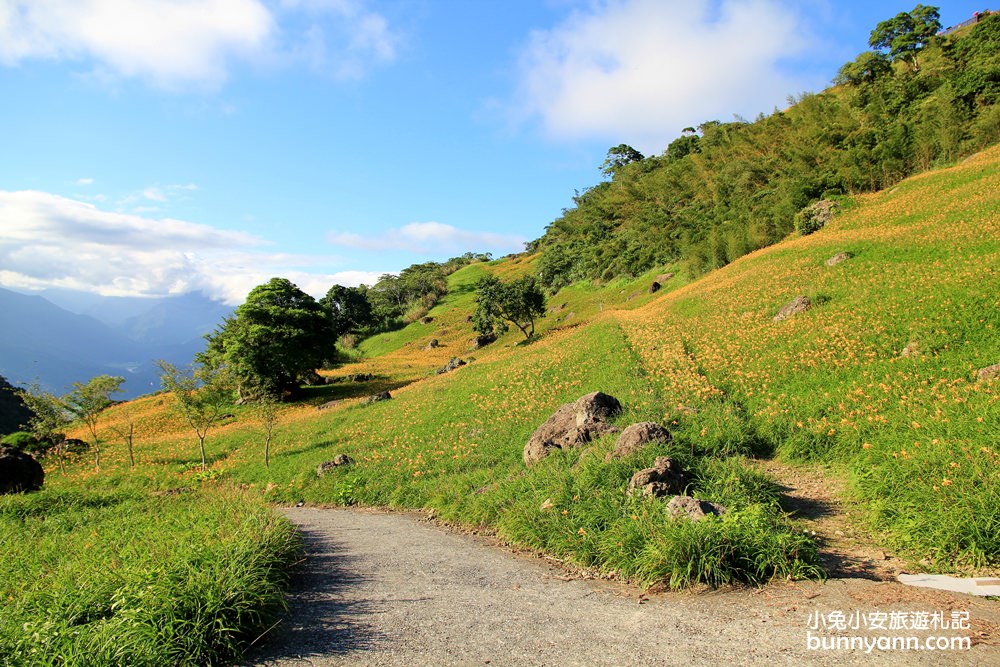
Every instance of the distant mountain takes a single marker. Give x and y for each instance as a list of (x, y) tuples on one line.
[(176, 320), (41, 342)]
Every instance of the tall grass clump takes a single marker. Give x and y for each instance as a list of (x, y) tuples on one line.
[(127, 578)]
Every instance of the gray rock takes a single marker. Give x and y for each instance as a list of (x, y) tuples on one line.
[(329, 404), (988, 373), (685, 506), (433, 343), (19, 471), (637, 436), (452, 364), (482, 341), (338, 461), (572, 425), (665, 478), (839, 258), (799, 304), (654, 287), (912, 349), (664, 277), (377, 398)]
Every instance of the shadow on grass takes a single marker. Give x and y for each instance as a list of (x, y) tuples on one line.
[(347, 390), (324, 618)]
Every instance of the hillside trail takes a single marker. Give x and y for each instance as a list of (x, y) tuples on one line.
[(381, 588), (815, 495)]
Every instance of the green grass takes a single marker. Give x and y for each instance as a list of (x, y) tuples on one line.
[(107, 573), (126, 578)]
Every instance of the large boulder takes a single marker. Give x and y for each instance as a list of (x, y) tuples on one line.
[(839, 258), (377, 398), (452, 364), (482, 341), (681, 507), (665, 478), (572, 425), (338, 461), (19, 471), (988, 373), (799, 304), (636, 437)]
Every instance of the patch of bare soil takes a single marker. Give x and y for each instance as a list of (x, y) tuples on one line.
[(816, 496)]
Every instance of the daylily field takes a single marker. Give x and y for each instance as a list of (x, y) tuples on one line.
[(877, 380)]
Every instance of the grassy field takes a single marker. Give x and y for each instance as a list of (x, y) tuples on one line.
[(917, 434)]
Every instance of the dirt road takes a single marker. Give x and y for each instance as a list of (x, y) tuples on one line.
[(393, 589)]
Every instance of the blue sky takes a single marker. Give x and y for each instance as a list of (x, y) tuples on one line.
[(155, 147)]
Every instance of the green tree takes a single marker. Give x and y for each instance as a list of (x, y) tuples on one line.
[(48, 417), (866, 68), (348, 308), (266, 408), (201, 394), (276, 336), (88, 400), (618, 157), (904, 35), (498, 303)]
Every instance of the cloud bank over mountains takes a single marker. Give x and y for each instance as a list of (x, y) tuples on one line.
[(51, 241)]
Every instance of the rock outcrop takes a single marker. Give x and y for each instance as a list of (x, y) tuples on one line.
[(572, 425), (338, 461), (377, 398), (452, 364), (482, 341), (665, 478), (799, 304), (636, 437), (988, 373), (681, 507), (839, 258), (19, 471)]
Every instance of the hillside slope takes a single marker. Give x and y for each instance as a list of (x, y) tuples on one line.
[(917, 430)]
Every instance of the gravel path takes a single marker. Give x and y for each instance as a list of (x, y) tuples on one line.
[(395, 589)]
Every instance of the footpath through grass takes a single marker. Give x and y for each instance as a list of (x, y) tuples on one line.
[(110, 569)]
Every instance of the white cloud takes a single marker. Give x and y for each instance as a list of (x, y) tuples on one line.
[(179, 44), (347, 46), (639, 71), (52, 241), (429, 237), (84, 181), (170, 42)]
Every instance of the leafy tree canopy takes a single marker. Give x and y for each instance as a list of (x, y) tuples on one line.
[(618, 157), (279, 334), (500, 303), (904, 35), (349, 309)]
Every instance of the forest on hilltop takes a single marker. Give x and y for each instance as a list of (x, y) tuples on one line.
[(918, 100)]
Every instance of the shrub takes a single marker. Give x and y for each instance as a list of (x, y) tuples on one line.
[(24, 441), (813, 217), (348, 341)]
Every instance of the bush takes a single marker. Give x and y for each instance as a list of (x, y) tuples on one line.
[(813, 217), (24, 441), (348, 341)]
